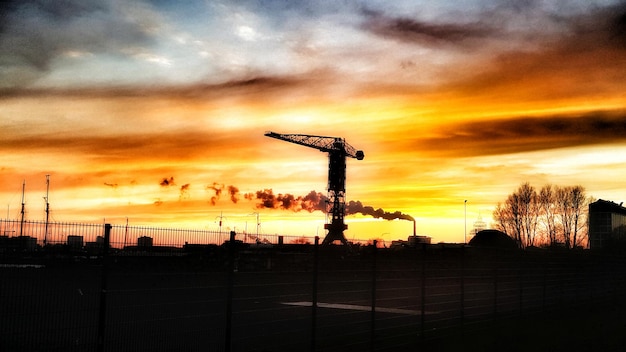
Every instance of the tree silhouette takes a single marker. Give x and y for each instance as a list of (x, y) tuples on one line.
[(562, 211)]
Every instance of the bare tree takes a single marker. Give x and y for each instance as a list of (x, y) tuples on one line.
[(547, 203), (501, 217), (518, 216), (579, 207), (529, 213), (562, 210), (572, 205), (515, 218)]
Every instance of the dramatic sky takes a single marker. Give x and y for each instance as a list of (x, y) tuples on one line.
[(155, 110)]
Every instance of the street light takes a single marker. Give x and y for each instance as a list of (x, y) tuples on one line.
[(465, 224)]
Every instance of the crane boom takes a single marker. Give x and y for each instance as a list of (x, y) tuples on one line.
[(337, 150), (322, 143)]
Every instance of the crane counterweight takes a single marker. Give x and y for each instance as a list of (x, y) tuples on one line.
[(338, 150)]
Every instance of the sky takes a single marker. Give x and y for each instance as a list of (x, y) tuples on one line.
[(155, 111)]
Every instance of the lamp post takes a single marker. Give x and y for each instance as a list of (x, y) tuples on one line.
[(465, 223)]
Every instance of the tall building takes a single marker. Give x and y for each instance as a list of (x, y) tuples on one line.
[(607, 224)]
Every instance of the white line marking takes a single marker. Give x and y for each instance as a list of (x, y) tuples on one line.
[(22, 266), (357, 307)]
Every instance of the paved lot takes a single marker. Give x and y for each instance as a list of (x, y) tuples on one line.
[(176, 304)]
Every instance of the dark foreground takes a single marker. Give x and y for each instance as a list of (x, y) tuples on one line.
[(428, 299)]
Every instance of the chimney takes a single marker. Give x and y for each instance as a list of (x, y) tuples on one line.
[(414, 230)]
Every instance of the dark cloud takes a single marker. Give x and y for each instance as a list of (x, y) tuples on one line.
[(239, 89), (617, 27), (36, 32), (414, 30), (168, 145), (525, 134), (584, 60)]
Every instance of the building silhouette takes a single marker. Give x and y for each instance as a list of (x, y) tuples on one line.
[(607, 225)]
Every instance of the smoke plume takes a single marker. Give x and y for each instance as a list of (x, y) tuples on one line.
[(267, 199), (318, 201), (167, 182), (311, 202), (217, 189), (354, 207), (184, 192)]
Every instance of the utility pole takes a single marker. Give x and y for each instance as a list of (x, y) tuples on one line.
[(125, 232), (258, 223), (221, 217), (22, 211), (45, 234)]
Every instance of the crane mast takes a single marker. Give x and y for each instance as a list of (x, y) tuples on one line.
[(338, 150)]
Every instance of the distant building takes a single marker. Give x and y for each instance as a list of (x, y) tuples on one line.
[(144, 241), (75, 242), (19, 243), (607, 224), (412, 241)]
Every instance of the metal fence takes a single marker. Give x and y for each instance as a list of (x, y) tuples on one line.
[(271, 297), (31, 235)]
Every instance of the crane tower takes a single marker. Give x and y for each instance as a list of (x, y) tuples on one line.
[(337, 150)]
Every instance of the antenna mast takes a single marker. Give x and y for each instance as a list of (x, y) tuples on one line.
[(22, 211)]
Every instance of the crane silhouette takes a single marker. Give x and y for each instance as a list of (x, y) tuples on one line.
[(337, 150)]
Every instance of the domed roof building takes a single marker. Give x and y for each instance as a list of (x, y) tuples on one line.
[(492, 239)]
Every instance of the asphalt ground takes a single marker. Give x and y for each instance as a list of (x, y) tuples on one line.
[(440, 303)]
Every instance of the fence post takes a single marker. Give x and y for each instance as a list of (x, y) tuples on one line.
[(495, 287), (314, 293), (103, 287), (423, 293), (229, 291), (462, 292), (373, 309), (520, 274), (544, 273)]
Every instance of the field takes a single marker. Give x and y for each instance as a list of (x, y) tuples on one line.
[(433, 298)]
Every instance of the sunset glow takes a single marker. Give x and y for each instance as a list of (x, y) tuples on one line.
[(448, 102)]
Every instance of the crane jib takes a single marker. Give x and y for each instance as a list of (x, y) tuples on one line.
[(322, 143)]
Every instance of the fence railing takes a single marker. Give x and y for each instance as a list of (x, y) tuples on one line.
[(243, 297), (30, 235)]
